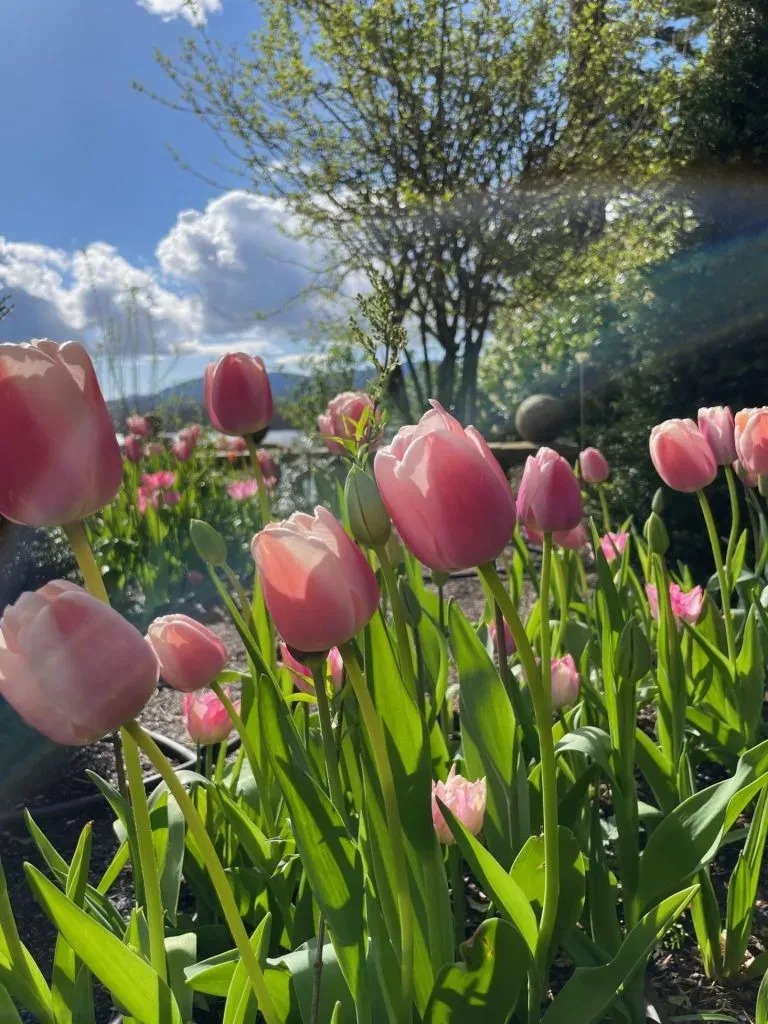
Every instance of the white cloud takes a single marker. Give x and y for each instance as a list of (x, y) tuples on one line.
[(195, 11)]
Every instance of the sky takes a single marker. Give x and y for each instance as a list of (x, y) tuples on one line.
[(101, 229)]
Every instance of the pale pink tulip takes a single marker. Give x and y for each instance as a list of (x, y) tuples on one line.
[(242, 490), (318, 586), (206, 718), (238, 395), (717, 426), (565, 682), (71, 666), (751, 439), (138, 425), (192, 433), (549, 499), (685, 606), (464, 799), (133, 450), (682, 456), (446, 493), (182, 449), (613, 545), (594, 466), (190, 654), (59, 456), (747, 478), (342, 417)]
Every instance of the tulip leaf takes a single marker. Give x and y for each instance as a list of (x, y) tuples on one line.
[(487, 985), (241, 1001), (591, 991), (18, 970), (589, 740), (65, 963), (488, 734), (742, 889), (691, 834), (168, 837), (750, 668), (181, 953), (329, 856), (129, 978), (761, 1008), (124, 814), (8, 1012)]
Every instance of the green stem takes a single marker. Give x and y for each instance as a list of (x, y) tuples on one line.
[(733, 494), (329, 743), (725, 592), (148, 864), (401, 628), (378, 745), (245, 604), (264, 508), (604, 507), (250, 752), (539, 687), (215, 871), (459, 897), (512, 686), (562, 597), (208, 769)]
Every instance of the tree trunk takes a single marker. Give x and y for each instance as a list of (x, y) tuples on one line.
[(446, 373), (398, 392), (466, 401)]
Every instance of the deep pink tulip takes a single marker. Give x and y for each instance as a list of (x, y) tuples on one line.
[(509, 640), (183, 449), (685, 606), (446, 493), (171, 498), (238, 395), (594, 466), (565, 682), (717, 426), (751, 434), (342, 417), (190, 654), (206, 718), (464, 799), (549, 499), (747, 478), (613, 545), (59, 456), (318, 586), (71, 666), (138, 425), (682, 456), (133, 449), (267, 464)]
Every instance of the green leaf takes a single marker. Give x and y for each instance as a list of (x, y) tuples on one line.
[(750, 668), (241, 1001), (181, 953), (168, 838), (124, 813), (18, 970), (603, 920), (8, 1012), (607, 587), (761, 1008), (591, 991), (488, 734), (742, 890), (487, 985), (65, 963), (130, 979), (589, 740)]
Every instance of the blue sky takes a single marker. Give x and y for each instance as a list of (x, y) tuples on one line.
[(97, 216)]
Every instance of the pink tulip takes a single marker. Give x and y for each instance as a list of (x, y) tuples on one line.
[(685, 606), (171, 498), (549, 499), (509, 640), (573, 540), (236, 445), (594, 466), (751, 437), (565, 682), (238, 395), (147, 497), (242, 490), (59, 456), (71, 666), (138, 425), (267, 464), (192, 433), (133, 450), (464, 799), (190, 654), (342, 417), (717, 426), (195, 578), (682, 456), (613, 545), (446, 493), (747, 478), (206, 718), (161, 480), (336, 667), (183, 449), (318, 586), (302, 674)]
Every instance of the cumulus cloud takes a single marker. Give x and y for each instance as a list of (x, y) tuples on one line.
[(236, 273), (194, 11)]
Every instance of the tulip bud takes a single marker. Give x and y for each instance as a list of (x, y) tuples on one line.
[(410, 602), (657, 505), (632, 659), (656, 536), (368, 519), (208, 543), (394, 550)]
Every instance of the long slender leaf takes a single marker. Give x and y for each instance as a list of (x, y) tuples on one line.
[(65, 963)]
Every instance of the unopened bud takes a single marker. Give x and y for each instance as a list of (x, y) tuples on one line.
[(657, 505), (368, 518), (208, 543), (394, 550), (656, 536), (632, 660)]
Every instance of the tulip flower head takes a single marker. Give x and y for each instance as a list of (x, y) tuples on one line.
[(171, 498), (751, 440), (350, 416), (682, 456), (613, 545), (318, 586), (206, 718), (302, 674), (244, 490), (685, 606), (192, 433), (747, 478), (139, 426), (464, 799), (133, 449), (71, 666), (238, 395), (594, 466), (549, 499), (182, 449), (565, 682), (59, 456), (190, 655), (446, 493), (717, 426)]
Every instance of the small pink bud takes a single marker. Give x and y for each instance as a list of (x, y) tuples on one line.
[(133, 450), (685, 606), (681, 455), (190, 654), (138, 425), (565, 682), (341, 419), (206, 718), (594, 466), (717, 426), (464, 799), (613, 545), (336, 667), (549, 499)]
